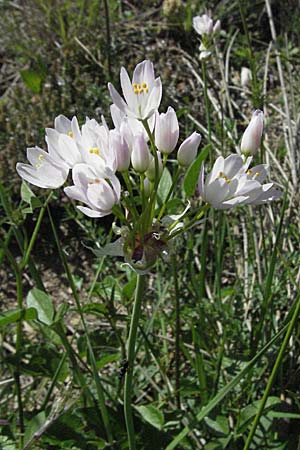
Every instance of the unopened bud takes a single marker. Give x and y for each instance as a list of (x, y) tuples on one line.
[(166, 131), (140, 156), (188, 150), (252, 136), (151, 168)]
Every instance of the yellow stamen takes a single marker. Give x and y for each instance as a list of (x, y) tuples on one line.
[(94, 150), (37, 166), (144, 85), (256, 175), (40, 156), (97, 180), (136, 91), (135, 85), (70, 134), (146, 90), (249, 172), (141, 91), (228, 180)]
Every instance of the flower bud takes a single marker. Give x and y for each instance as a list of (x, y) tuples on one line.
[(203, 24), (166, 131), (121, 150), (188, 150), (217, 26), (246, 76), (151, 168), (252, 136), (140, 156)]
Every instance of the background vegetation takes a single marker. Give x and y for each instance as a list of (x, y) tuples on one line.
[(235, 277)]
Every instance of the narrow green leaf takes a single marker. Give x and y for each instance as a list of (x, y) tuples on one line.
[(151, 415), (15, 315), (192, 174), (43, 304), (225, 390)]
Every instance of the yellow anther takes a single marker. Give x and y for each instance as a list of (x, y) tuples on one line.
[(136, 91), (228, 180), (141, 91), (94, 150), (70, 134), (146, 90), (37, 166), (256, 175), (97, 180), (249, 172), (135, 85), (40, 156), (221, 174), (144, 85)]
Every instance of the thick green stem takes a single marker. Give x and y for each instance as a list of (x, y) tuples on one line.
[(273, 374), (130, 359)]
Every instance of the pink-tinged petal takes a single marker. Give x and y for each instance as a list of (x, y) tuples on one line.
[(46, 176), (154, 99), (232, 164), (101, 195), (117, 116), (62, 124), (82, 175), (201, 181), (216, 192), (128, 92), (75, 129), (215, 173), (68, 150), (33, 155), (117, 99), (259, 173), (91, 213), (144, 72), (268, 194), (233, 202), (75, 193), (252, 136)]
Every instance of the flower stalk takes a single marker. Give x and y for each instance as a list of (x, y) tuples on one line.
[(139, 291)]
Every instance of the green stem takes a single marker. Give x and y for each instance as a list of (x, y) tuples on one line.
[(100, 393), (130, 359), (273, 374), (206, 99), (177, 331), (35, 232), (190, 224)]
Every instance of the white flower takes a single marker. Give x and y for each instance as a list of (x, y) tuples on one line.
[(140, 156), (187, 151), (166, 131), (204, 25), (142, 95), (231, 183), (43, 171), (61, 140), (99, 190), (252, 136)]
